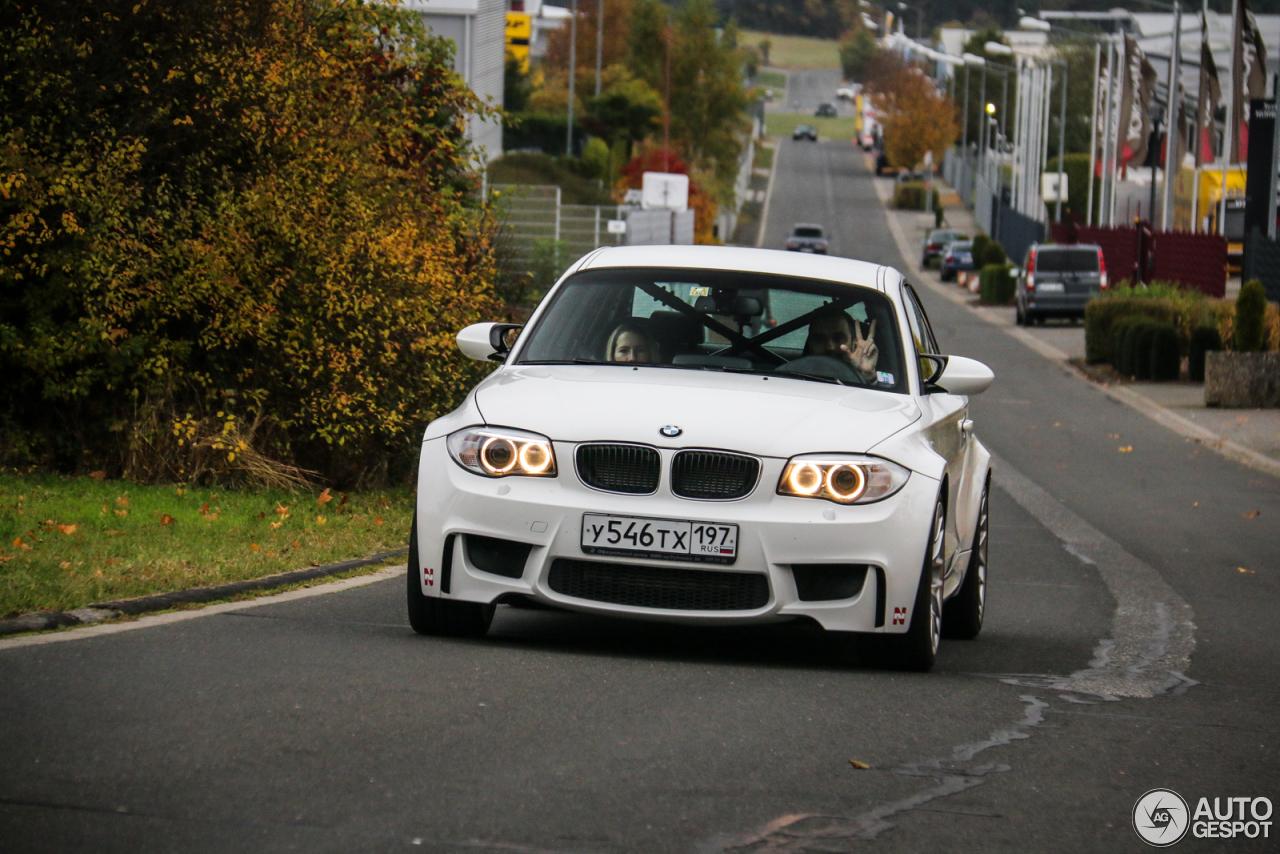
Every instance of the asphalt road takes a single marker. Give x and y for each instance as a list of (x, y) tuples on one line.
[(325, 724)]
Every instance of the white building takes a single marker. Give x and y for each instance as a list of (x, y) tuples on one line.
[(477, 29)]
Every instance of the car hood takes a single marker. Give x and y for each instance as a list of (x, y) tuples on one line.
[(774, 417)]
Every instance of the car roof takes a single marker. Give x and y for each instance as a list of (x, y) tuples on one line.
[(772, 261)]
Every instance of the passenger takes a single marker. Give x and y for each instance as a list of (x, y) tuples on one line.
[(631, 342), (838, 335)]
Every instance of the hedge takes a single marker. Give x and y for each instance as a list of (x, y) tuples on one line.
[(996, 283), (909, 196), (1203, 339), (1100, 315)]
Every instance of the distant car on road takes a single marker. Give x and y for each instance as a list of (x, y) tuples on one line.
[(845, 93), (957, 256), (808, 132), (936, 243), (807, 237), (825, 109), (1057, 281)]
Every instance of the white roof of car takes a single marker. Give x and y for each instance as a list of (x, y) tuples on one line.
[(774, 261)]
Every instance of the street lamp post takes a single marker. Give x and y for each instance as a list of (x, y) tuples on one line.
[(573, 66)]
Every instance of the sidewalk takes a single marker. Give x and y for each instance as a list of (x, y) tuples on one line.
[(1249, 436)]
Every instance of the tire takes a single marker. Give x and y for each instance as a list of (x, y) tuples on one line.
[(431, 615), (917, 649), (963, 613)]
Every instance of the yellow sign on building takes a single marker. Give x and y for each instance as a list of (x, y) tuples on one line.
[(519, 32)]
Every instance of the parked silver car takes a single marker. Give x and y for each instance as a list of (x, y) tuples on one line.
[(1057, 281)]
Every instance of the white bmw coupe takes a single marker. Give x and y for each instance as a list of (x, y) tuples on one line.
[(712, 435)]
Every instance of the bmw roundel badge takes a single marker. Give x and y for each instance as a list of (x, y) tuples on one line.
[(670, 431)]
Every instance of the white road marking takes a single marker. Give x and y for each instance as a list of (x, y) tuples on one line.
[(207, 611)]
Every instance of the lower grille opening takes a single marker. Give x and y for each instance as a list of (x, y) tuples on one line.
[(822, 582), (499, 557), (659, 586)]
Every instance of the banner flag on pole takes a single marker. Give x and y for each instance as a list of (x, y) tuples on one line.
[(1209, 96)]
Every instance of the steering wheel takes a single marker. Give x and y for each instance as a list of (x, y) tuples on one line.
[(822, 366)]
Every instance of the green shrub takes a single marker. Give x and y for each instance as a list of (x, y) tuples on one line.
[(1203, 339), (1164, 358), (996, 284), (980, 244), (1251, 311), (1102, 313), (994, 254), (1140, 340), (910, 196), (1115, 345)]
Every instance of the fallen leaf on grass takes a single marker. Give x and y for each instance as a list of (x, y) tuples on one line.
[(861, 766), (166, 519), (377, 520), (1125, 449), (122, 513), (1254, 515), (179, 492), (342, 502), (3, 558), (204, 509), (66, 564), (98, 475), (20, 544), (276, 524), (123, 501), (297, 545), (282, 511), (262, 515), (71, 529), (320, 520), (113, 533), (1246, 571), (253, 547), (105, 508), (325, 497)]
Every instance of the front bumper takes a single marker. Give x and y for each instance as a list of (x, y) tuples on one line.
[(775, 533)]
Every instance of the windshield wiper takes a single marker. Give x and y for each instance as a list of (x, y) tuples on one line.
[(818, 377), (564, 362)]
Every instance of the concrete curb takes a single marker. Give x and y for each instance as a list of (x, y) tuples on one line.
[(1188, 429), (39, 621)]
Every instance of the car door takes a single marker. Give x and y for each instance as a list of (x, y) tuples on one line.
[(948, 431)]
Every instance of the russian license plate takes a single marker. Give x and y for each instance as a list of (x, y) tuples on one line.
[(1050, 287), (662, 539)]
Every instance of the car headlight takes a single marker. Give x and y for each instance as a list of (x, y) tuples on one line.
[(842, 479), (502, 452)]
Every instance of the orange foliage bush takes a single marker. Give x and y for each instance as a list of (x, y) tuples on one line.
[(262, 208)]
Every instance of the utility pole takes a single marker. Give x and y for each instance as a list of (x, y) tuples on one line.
[(1171, 124), (1093, 131), (666, 113), (573, 67), (599, 42), (1062, 143)]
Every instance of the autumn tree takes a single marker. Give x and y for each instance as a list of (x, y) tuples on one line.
[(916, 117), (243, 225)]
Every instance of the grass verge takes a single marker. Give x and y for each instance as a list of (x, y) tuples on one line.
[(829, 127), (763, 157), (796, 52), (775, 80), (66, 542)]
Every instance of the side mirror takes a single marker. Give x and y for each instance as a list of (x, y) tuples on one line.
[(488, 342), (1015, 272), (957, 375)]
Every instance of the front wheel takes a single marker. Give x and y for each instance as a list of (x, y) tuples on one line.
[(962, 615), (917, 649), (431, 615)]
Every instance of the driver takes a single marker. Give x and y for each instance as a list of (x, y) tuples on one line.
[(836, 334), (631, 342)]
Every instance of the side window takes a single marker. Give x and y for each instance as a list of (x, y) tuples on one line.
[(921, 332)]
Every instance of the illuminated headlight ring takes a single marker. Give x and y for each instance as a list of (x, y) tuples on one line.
[(842, 478), (502, 452)]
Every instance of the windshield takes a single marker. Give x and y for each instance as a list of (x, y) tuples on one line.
[(723, 321), (806, 231), (1067, 261)]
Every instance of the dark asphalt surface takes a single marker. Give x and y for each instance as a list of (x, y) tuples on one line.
[(325, 724)]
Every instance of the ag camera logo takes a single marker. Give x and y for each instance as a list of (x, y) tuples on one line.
[(1160, 818)]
